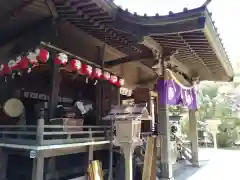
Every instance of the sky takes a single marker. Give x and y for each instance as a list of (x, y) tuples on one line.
[(224, 13)]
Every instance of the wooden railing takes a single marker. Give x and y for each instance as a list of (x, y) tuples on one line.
[(51, 134), (181, 143), (186, 152)]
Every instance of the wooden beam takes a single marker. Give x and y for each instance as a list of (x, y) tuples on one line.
[(145, 68), (72, 150), (127, 59), (106, 6), (52, 8), (151, 43), (148, 80), (14, 12), (36, 30)]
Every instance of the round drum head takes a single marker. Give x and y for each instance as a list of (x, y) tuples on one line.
[(13, 107)]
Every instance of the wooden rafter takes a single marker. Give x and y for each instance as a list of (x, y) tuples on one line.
[(127, 59), (8, 37), (89, 16), (52, 8), (14, 12)]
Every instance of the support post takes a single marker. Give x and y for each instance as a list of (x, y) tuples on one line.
[(90, 150), (164, 130), (214, 133), (164, 136), (90, 156), (142, 95), (3, 164), (120, 170), (55, 82), (38, 168), (100, 86), (52, 104), (128, 149), (40, 131), (193, 137)]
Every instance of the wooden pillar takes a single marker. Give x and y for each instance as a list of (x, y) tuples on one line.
[(40, 131), (90, 155), (53, 99), (3, 164), (193, 137), (38, 168), (164, 136), (142, 95), (152, 108), (163, 128), (100, 85), (52, 104)]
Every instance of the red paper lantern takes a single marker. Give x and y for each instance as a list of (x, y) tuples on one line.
[(106, 75), (87, 69), (42, 55), (120, 82), (75, 65), (32, 58), (113, 79), (5, 70), (13, 66), (22, 62), (97, 73), (1, 69), (61, 59)]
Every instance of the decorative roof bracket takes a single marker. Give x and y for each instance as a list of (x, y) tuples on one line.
[(151, 44)]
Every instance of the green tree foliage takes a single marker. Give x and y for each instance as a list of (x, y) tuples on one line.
[(228, 134), (185, 125), (175, 110), (210, 90), (221, 104), (220, 101)]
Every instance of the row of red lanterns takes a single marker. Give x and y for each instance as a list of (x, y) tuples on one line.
[(41, 56)]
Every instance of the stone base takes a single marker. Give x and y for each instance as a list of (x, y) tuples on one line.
[(196, 165)]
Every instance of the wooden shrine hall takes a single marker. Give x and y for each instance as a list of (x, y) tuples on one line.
[(87, 51)]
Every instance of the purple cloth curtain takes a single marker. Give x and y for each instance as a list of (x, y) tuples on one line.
[(176, 94)]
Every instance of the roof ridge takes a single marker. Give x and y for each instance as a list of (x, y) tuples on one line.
[(185, 10)]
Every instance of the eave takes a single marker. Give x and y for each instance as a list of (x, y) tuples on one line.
[(191, 32), (217, 45)]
